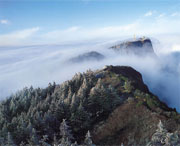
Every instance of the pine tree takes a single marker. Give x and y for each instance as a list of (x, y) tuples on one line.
[(163, 137), (88, 141), (172, 139), (65, 142), (55, 141), (74, 144), (43, 141), (160, 134), (65, 132), (33, 138), (29, 127), (22, 144), (10, 141), (2, 141)]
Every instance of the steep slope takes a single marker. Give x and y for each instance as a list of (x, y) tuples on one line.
[(113, 103), (141, 47)]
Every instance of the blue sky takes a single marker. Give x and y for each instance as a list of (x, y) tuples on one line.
[(36, 19)]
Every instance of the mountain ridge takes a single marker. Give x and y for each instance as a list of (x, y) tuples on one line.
[(112, 103)]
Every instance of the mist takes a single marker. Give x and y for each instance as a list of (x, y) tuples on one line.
[(40, 64)]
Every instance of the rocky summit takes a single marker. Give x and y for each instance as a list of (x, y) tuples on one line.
[(141, 46), (110, 106)]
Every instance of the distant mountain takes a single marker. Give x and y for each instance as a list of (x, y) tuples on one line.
[(89, 56), (112, 103), (141, 46)]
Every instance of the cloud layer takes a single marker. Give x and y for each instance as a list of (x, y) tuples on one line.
[(18, 37), (39, 65)]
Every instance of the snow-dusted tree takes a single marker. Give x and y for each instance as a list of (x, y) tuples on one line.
[(88, 141), (55, 141), (22, 143), (163, 138), (172, 139), (33, 138), (43, 141), (2, 140), (29, 127), (75, 102), (158, 138), (65, 132), (10, 141), (74, 144), (65, 142), (160, 134)]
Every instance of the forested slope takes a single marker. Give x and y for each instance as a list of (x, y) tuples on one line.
[(112, 103)]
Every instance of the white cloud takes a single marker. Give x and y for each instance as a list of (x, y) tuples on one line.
[(176, 47), (161, 15), (4, 21), (17, 37), (150, 27), (160, 23), (73, 29), (148, 14), (79, 33), (175, 14)]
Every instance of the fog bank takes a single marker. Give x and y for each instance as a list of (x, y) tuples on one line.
[(38, 65)]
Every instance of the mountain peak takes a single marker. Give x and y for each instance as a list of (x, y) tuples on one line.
[(140, 46)]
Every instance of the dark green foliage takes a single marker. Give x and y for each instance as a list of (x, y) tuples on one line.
[(127, 86), (140, 102), (151, 101)]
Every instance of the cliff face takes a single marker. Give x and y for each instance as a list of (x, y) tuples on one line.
[(113, 103), (141, 46)]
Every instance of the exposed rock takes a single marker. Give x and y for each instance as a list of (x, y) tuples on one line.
[(141, 46)]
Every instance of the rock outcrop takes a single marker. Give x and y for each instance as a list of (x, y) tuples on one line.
[(141, 46)]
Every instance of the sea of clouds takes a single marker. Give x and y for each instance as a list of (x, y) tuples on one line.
[(40, 64)]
